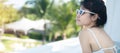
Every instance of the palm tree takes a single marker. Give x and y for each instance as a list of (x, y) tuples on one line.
[(39, 8)]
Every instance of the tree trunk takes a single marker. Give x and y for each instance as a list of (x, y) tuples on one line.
[(64, 36)]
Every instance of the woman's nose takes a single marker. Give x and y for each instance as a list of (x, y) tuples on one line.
[(78, 16)]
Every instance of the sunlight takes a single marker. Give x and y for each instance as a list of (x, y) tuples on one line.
[(16, 3)]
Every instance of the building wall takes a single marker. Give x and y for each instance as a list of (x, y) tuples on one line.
[(113, 23)]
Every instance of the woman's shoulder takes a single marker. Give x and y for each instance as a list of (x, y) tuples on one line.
[(88, 30), (84, 33), (97, 31)]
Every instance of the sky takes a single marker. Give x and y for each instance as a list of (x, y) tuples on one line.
[(19, 3)]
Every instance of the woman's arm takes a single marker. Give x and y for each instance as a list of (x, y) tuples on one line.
[(84, 41)]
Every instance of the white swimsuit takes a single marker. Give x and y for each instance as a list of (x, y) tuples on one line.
[(102, 49)]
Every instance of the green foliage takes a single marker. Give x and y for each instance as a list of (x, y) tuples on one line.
[(10, 43), (9, 35), (35, 35), (24, 37), (7, 14), (32, 16), (7, 44), (38, 11), (62, 17)]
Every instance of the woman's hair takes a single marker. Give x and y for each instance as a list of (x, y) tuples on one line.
[(96, 6)]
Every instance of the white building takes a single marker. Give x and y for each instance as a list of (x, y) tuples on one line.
[(113, 23)]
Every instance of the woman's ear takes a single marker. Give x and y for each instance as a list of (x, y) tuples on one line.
[(94, 17)]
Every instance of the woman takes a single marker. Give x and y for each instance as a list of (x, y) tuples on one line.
[(92, 17)]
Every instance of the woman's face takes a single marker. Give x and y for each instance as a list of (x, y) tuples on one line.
[(83, 17)]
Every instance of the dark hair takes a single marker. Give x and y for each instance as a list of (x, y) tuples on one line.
[(96, 6)]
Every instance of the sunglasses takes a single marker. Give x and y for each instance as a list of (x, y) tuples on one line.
[(81, 12)]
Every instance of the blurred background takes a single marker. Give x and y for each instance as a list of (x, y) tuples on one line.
[(44, 24), (30, 23)]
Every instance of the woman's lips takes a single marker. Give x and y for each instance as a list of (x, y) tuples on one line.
[(77, 20)]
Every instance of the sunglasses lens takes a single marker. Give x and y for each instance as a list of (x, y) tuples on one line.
[(81, 12)]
